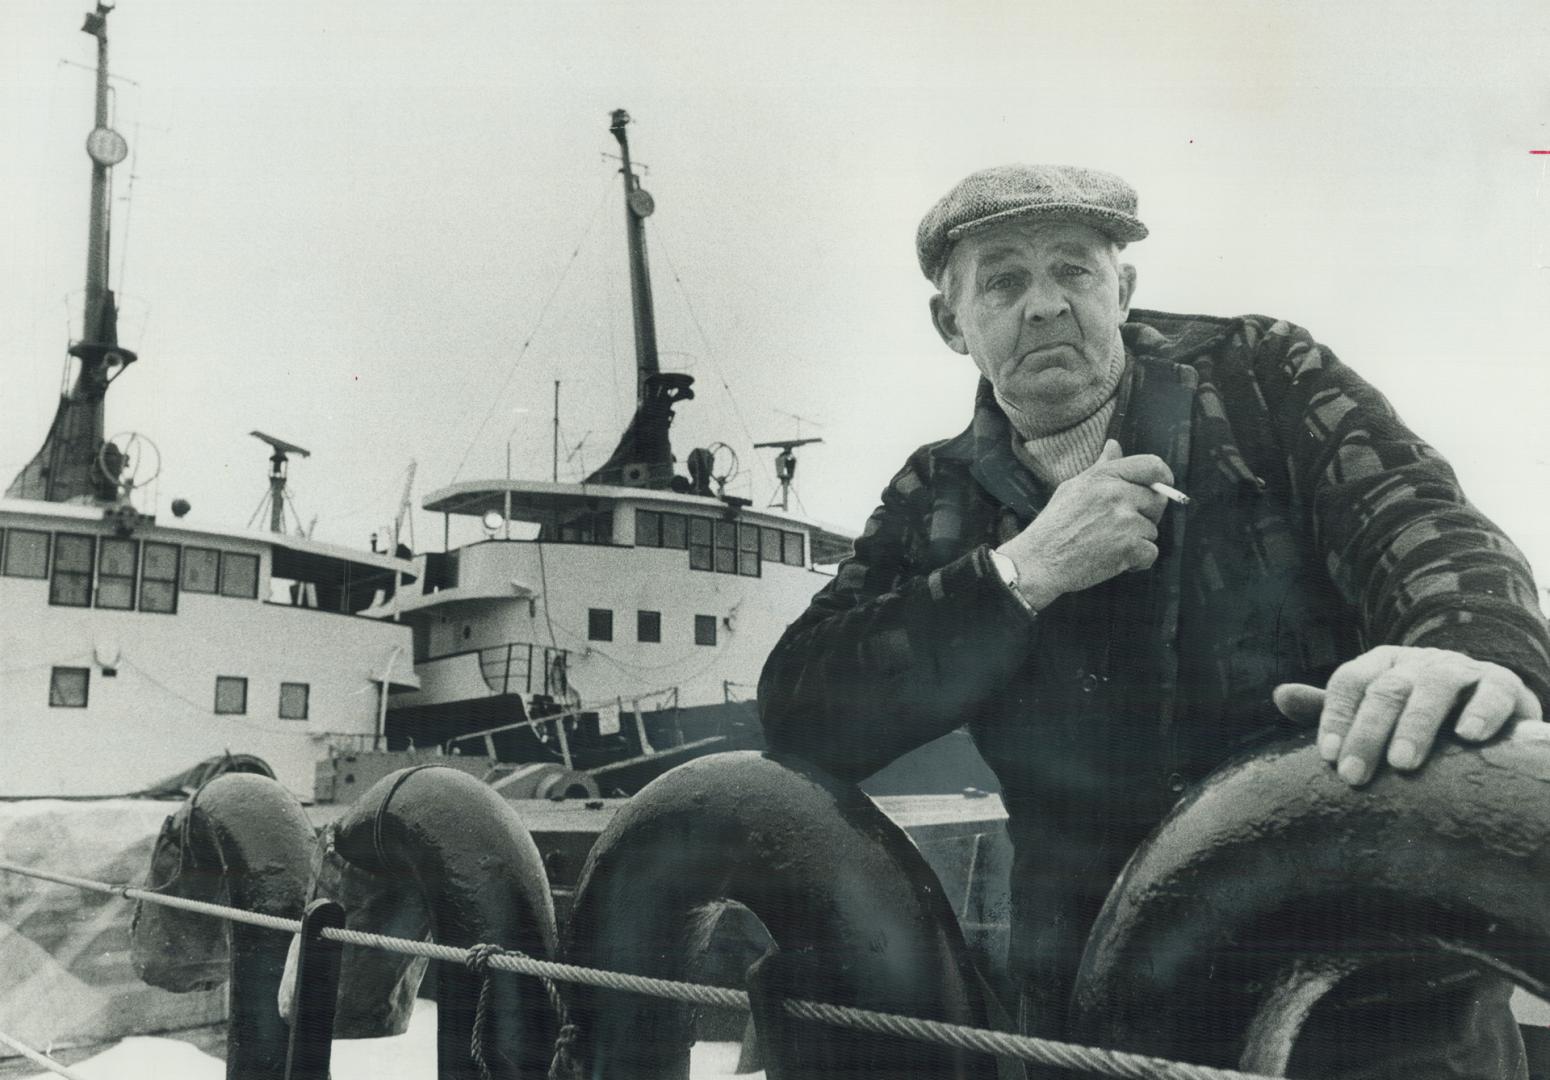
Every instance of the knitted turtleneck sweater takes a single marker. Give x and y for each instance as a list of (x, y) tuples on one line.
[(1055, 456)]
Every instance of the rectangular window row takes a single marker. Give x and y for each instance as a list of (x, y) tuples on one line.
[(127, 573), (725, 547), (70, 688), (231, 697), (648, 626)]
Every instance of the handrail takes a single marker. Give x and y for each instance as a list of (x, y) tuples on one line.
[(483, 648), (670, 694)]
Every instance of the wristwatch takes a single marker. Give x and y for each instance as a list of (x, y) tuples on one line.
[(1007, 569)]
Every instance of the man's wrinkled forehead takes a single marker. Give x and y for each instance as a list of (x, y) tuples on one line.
[(1011, 241)]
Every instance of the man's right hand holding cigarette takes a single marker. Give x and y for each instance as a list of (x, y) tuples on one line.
[(1097, 525)]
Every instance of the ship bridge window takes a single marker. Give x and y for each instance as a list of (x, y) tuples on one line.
[(589, 527), (26, 553), (68, 687), (726, 547), (116, 562), (71, 585), (675, 531), (239, 575), (748, 550), (704, 629), (653, 529), (792, 549), (699, 543), (781, 546), (159, 578), (648, 528), (201, 569)]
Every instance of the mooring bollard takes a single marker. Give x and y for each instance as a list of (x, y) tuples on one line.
[(317, 988)]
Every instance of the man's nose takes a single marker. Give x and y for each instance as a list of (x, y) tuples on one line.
[(1044, 301)]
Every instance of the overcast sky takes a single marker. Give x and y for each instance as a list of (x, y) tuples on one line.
[(383, 230)]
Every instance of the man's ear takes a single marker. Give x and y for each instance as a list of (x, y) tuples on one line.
[(946, 322), (1127, 289)]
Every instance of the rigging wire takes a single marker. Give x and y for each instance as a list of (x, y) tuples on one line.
[(612, 278), (512, 368), (720, 373), (205, 711), (129, 201)]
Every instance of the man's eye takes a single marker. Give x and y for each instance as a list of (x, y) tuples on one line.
[(1073, 270), (1000, 282)]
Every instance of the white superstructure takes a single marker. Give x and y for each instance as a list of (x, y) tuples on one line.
[(130, 650), (614, 600)]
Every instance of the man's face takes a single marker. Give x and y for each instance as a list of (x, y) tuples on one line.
[(1038, 306)]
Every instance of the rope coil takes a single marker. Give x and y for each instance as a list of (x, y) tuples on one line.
[(486, 958)]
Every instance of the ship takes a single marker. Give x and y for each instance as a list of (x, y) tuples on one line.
[(615, 627), (601, 633), (137, 649)]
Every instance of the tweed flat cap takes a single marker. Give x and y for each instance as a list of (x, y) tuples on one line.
[(1020, 192)]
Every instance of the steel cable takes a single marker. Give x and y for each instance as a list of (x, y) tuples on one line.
[(1024, 1047)]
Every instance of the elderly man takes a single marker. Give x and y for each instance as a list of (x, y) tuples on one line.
[(1037, 579)]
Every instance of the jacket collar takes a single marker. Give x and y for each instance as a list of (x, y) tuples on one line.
[(1156, 344)]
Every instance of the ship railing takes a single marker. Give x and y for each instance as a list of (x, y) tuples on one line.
[(517, 666), (738, 691), (356, 742), (635, 707)]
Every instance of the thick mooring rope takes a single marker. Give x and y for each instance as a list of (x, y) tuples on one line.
[(486, 957)]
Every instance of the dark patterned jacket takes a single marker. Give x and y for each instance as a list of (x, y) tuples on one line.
[(1319, 526)]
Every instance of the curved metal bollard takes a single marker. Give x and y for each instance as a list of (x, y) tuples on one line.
[(1275, 880), (242, 840), (431, 852), (856, 914)]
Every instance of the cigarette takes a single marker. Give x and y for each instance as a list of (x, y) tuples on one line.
[(1172, 494)]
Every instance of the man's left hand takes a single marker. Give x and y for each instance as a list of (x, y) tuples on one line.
[(1395, 699)]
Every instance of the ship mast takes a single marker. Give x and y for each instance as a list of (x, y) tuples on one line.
[(644, 456), (73, 464), (97, 238), (638, 206)]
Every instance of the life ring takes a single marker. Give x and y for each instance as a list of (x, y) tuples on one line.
[(855, 913), (429, 851), (243, 840), (1275, 880)]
